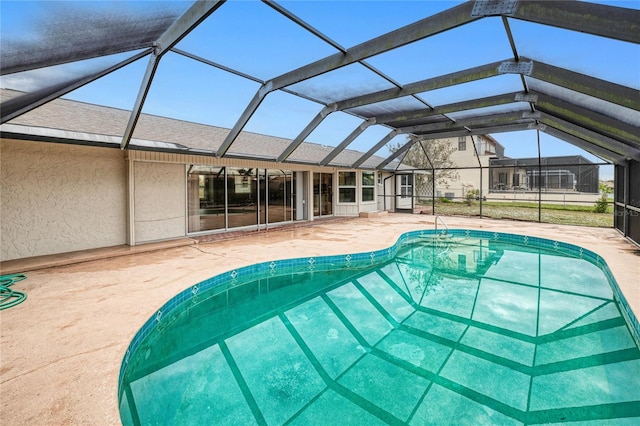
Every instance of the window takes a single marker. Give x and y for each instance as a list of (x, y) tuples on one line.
[(502, 180), (406, 189), (347, 187), (368, 188), (462, 143)]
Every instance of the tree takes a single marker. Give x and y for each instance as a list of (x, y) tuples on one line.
[(437, 158)]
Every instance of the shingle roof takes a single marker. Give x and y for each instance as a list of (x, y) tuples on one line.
[(73, 116)]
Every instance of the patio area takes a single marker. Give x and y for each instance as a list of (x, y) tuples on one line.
[(62, 348)]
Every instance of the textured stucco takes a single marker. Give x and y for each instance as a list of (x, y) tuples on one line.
[(60, 198), (160, 194)]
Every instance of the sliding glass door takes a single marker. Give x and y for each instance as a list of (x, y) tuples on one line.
[(206, 200), (279, 195), (322, 194), (233, 197)]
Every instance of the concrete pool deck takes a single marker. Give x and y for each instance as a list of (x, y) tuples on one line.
[(61, 349)]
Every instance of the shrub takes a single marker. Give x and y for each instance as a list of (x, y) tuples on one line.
[(472, 194), (601, 204)]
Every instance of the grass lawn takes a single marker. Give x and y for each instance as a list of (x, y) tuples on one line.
[(550, 213)]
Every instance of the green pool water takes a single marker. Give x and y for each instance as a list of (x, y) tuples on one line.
[(438, 330)]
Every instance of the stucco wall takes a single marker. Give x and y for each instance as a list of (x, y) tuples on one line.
[(160, 201), (58, 198)]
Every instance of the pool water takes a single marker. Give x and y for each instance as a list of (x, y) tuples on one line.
[(473, 328)]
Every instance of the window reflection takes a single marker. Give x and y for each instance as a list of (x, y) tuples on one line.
[(322, 194), (242, 197), (279, 195)]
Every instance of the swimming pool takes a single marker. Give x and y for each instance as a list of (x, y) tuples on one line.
[(470, 327)]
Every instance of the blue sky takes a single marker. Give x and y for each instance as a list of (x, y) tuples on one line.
[(252, 38)]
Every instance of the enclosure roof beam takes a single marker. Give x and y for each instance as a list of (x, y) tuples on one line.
[(197, 13), (392, 134), (308, 27), (17, 106), (451, 79), (329, 41), (396, 153), (606, 21), (448, 19), (396, 119), (454, 133), (572, 80), (239, 73), (589, 119), (500, 128), (216, 65), (590, 136), (592, 86), (315, 122), (246, 115), (419, 30), (474, 121), (352, 136), (596, 150), (150, 71)]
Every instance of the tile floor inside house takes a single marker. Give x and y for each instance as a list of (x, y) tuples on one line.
[(62, 348)]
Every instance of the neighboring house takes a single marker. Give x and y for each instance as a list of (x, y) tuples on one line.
[(562, 178), (572, 173), (471, 153), (67, 185)]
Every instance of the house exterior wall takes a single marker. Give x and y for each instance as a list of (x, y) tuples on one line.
[(470, 179), (354, 209), (346, 209), (384, 192), (160, 201), (469, 172), (404, 191), (58, 198)]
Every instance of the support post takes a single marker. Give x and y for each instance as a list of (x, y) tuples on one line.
[(539, 179), (475, 148), (131, 234)]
